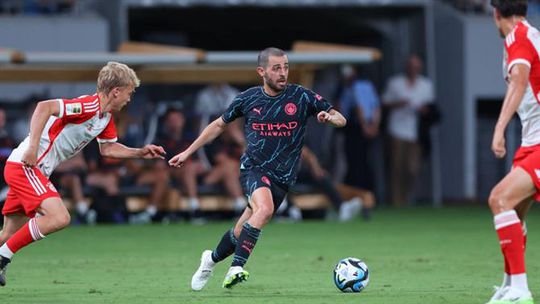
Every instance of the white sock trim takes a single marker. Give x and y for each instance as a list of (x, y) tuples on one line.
[(6, 252), (505, 219), (34, 230), (519, 281)]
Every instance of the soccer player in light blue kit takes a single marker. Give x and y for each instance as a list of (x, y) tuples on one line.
[(275, 114)]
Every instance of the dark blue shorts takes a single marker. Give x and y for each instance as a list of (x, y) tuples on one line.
[(254, 178)]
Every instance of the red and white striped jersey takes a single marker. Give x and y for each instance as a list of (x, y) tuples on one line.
[(522, 46), (78, 123)]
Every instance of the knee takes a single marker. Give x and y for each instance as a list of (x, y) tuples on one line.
[(61, 220), (497, 201), (265, 213)]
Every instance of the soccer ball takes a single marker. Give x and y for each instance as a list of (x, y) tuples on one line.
[(351, 275)]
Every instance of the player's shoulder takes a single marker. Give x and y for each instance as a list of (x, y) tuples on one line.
[(293, 87), (84, 104), (249, 92), (521, 33), (83, 99)]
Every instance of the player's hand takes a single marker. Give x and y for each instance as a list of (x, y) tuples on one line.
[(179, 160), (498, 145), (152, 151), (29, 158), (323, 117)]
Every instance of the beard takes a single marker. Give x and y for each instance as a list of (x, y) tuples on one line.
[(274, 85)]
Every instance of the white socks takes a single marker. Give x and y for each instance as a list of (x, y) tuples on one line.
[(6, 252), (519, 281)]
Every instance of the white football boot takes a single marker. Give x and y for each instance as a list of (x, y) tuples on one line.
[(204, 272)]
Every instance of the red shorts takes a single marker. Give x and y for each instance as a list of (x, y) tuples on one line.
[(528, 158), (28, 187)]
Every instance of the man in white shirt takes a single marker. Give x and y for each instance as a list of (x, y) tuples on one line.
[(406, 96)]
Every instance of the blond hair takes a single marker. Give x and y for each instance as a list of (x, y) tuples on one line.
[(116, 74)]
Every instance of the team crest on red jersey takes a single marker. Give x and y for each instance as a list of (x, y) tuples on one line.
[(265, 180), (290, 108)]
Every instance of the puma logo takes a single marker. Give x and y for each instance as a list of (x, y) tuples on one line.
[(257, 110), (247, 248)]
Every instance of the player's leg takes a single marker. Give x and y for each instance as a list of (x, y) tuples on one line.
[(522, 209), (224, 249), (262, 204), (54, 217), (510, 192), (12, 223)]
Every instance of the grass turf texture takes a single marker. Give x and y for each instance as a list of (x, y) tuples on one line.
[(414, 256)]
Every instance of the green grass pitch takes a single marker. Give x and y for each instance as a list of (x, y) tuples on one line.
[(416, 255)]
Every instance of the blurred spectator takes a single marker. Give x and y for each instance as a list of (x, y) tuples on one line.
[(103, 177), (316, 175), (223, 169), (108, 175), (6, 146), (359, 103), (21, 126), (211, 102), (215, 99), (406, 96), (69, 176)]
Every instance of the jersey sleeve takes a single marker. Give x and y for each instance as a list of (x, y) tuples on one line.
[(235, 110), (520, 50), (317, 103), (108, 134)]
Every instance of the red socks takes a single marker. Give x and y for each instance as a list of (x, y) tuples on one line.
[(511, 239), (24, 236)]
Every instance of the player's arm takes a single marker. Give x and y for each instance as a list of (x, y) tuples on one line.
[(332, 117), (43, 111), (519, 79), (209, 133), (118, 150)]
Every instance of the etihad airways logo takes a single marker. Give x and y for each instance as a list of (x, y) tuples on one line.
[(274, 129)]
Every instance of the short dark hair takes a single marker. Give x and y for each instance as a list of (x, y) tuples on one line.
[(509, 8), (262, 59)]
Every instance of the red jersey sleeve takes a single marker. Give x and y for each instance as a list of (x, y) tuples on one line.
[(519, 48), (109, 133)]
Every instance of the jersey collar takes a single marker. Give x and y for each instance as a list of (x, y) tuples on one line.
[(278, 95)]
